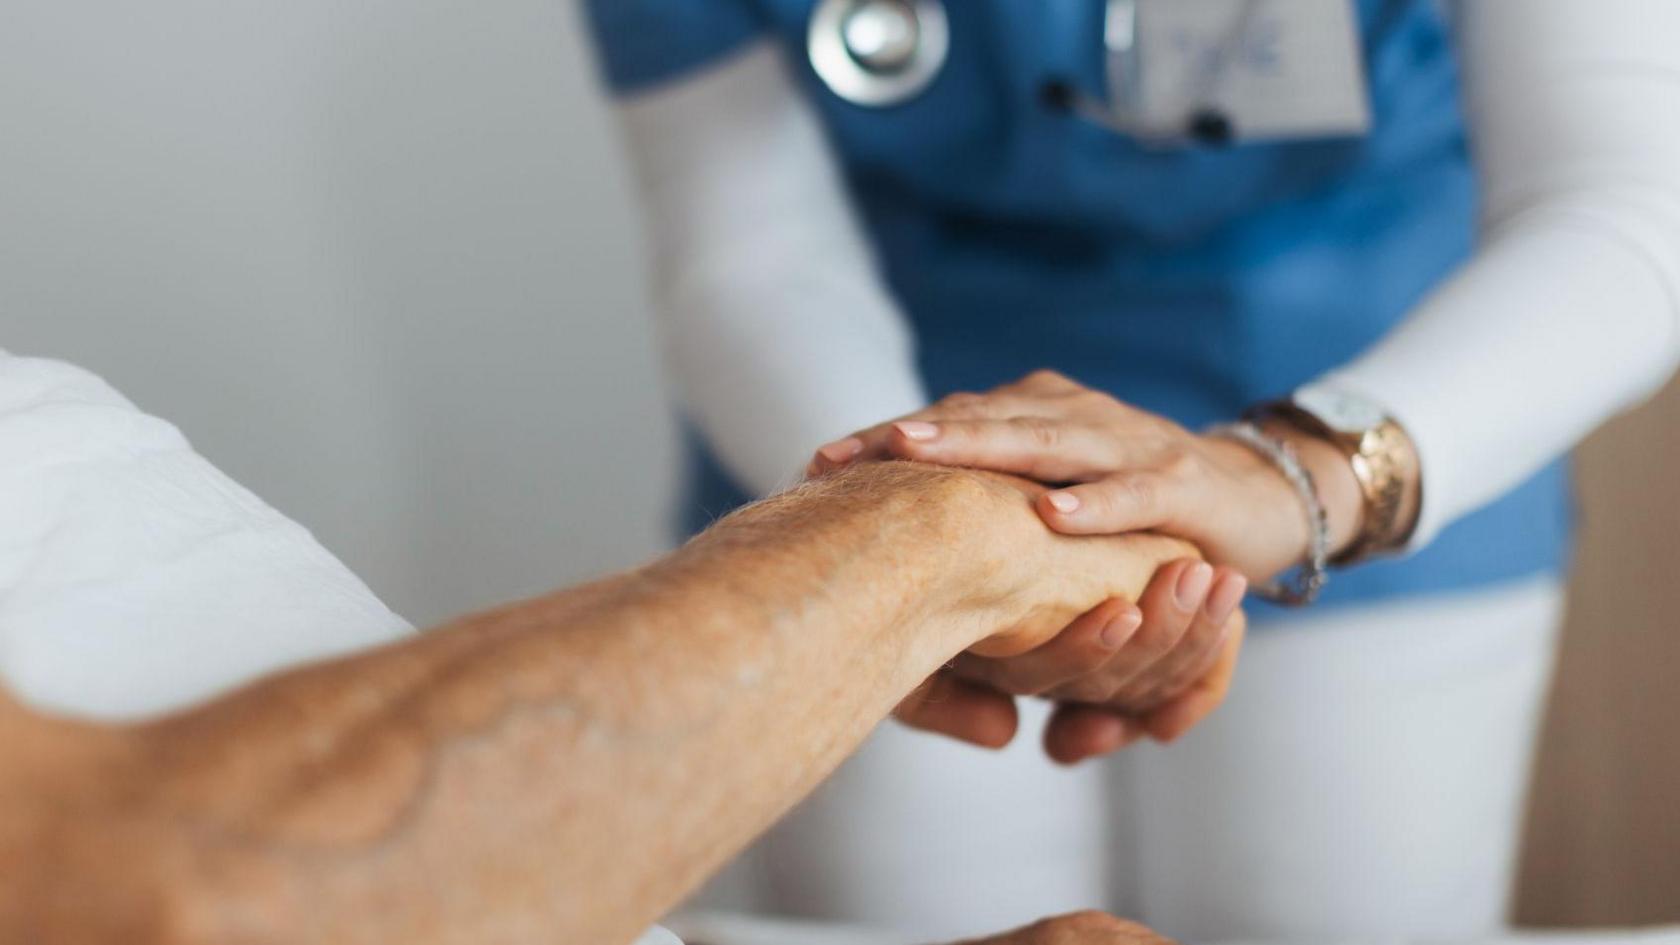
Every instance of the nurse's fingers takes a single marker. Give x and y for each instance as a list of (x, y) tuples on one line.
[(1133, 500), (871, 443), (1169, 606), (1077, 732), (832, 456), (1042, 448), (1081, 651), (962, 710), (1189, 709), (1196, 651), (863, 446)]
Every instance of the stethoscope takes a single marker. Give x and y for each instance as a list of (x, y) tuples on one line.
[(880, 53)]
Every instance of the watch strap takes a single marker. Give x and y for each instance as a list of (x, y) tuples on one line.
[(1384, 463)]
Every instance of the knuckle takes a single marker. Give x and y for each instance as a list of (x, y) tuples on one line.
[(1180, 462), (1091, 920), (1157, 637), (1097, 400), (1143, 491), (963, 403), (1043, 433), (1153, 443), (1129, 490), (1142, 934), (1084, 660), (1045, 378)]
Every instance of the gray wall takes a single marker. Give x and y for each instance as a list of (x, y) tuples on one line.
[(376, 258)]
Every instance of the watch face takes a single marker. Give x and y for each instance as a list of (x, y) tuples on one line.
[(1341, 411)]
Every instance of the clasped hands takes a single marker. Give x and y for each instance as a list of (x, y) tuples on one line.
[(1125, 670)]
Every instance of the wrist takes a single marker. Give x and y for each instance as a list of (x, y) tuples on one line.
[(927, 551), (1376, 451), (1276, 516), (1337, 486)]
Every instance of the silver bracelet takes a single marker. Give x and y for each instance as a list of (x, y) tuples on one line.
[(1312, 574)]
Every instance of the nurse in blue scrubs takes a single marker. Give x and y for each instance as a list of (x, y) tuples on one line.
[(1193, 212)]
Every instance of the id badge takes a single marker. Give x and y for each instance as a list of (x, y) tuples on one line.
[(1262, 68)]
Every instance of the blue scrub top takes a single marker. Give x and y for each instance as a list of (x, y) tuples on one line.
[(1189, 281)]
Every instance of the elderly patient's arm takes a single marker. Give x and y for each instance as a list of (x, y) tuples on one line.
[(557, 771)]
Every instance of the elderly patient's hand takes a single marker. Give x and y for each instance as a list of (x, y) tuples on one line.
[(1081, 928)]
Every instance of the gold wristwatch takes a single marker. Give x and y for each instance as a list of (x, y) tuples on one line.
[(1378, 450)]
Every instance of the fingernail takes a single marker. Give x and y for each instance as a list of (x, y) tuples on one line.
[(842, 451), (1121, 628), (1193, 585), (916, 429), (1064, 502), (1225, 597)]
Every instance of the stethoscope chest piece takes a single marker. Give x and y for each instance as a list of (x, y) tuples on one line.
[(879, 52)]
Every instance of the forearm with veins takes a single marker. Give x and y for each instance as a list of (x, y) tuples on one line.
[(572, 765)]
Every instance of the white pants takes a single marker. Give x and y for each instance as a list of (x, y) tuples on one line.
[(1365, 779)]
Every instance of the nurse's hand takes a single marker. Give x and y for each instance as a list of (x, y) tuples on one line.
[(1122, 469), (1119, 673)]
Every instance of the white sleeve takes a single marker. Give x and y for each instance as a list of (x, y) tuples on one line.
[(1570, 310), (776, 326), (134, 577)]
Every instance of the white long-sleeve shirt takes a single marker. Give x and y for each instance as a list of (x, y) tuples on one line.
[(782, 336)]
